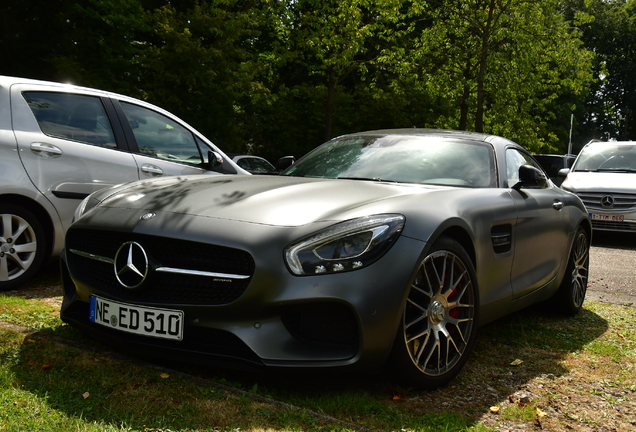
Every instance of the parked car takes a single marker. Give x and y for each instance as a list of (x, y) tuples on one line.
[(604, 177), (553, 163), (59, 143), (378, 248), (255, 164)]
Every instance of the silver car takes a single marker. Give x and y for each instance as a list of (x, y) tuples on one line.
[(604, 177), (59, 143)]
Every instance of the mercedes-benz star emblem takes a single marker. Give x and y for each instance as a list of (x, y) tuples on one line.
[(131, 265), (607, 201)]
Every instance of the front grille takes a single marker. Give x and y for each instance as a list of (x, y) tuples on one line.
[(327, 323), (160, 288), (614, 226), (623, 202)]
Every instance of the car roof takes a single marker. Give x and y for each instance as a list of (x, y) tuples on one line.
[(619, 143), (426, 132), (7, 81), (495, 140)]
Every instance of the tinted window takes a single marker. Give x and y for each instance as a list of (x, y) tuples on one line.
[(71, 116), (255, 164), (409, 159), (553, 163), (159, 136)]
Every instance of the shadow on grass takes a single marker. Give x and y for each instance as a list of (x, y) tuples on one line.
[(509, 354), (614, 240)]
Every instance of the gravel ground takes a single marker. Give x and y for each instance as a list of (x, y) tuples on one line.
[(612, 277)]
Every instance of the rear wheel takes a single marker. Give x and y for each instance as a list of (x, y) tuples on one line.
[(22, 246), (572, 291), (439, 321)]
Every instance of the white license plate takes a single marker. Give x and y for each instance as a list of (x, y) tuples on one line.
[(607, 218), (147, 321)]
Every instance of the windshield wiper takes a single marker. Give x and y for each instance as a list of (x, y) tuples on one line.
[(627, 170), (377, 179)]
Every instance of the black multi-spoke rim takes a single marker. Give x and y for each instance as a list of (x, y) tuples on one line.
[(580, 261), (439, 314)]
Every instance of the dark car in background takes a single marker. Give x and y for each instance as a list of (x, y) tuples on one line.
[(377, 249), (59, 143), (604, 177), (553, 163), (255, 164)]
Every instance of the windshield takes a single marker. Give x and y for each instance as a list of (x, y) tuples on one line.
[(605, 156), (404, 159)]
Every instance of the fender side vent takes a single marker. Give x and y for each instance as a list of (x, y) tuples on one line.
[(501, 238)]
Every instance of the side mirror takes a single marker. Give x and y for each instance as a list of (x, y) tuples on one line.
[(563, 172), (531, 177), (214, 159), (285, 162)]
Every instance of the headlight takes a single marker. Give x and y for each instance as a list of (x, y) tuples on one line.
[(98, 197), (84, 206), (346, 246)]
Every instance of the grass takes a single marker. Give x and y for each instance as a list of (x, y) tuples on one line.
[(532, 369)]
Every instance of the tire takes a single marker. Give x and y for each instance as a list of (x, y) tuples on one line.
[(571, 294), (22, 246), (439, 321)]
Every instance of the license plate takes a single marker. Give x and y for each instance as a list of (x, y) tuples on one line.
[(607, 218), (147, 321)]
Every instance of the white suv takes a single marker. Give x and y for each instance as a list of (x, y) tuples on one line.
[(604, 177), (59, 143)]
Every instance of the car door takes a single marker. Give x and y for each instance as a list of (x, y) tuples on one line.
[(68, 143), (540, 234), (162, 145)]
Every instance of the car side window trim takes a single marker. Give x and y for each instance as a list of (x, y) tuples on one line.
[(115, 120)]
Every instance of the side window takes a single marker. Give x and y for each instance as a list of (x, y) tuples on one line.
[(244, 163), (71, 116), (514, 159), (161, 137)]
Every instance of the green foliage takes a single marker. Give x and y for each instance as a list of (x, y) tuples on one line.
[(278, 77)]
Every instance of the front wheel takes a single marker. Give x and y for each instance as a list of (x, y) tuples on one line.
[(22, 246), (439, 320), (572, 291)]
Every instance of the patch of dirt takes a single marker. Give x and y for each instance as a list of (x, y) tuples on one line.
[(46, 286)]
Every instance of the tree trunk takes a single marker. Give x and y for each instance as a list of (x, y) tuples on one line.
[(331, 91), (483, 62)]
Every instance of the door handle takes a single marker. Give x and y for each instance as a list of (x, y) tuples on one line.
[(151, 169), (557, 205), (46, 150)]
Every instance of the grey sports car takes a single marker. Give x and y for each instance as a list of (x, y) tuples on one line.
[(385, 248)]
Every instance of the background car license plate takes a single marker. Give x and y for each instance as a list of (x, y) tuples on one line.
[(608, 218), (147, 321)]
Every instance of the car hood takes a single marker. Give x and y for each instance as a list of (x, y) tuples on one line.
[(270, 200), (601, 182)]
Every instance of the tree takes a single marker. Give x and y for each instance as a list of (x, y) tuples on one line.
[(501, 64)]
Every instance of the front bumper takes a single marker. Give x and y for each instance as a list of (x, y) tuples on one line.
[(276, 320)]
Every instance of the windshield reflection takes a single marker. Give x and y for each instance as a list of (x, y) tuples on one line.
[(605, 156), (403, 159)]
